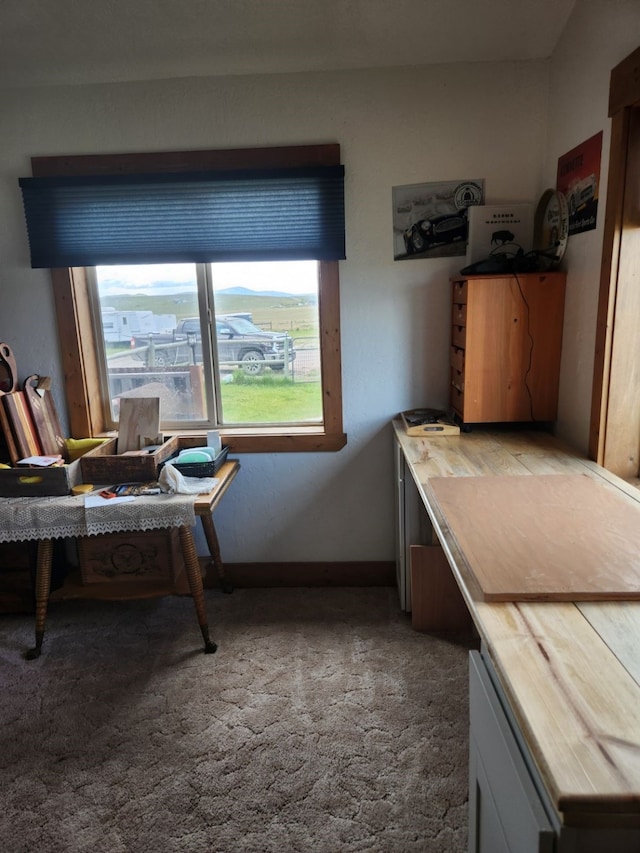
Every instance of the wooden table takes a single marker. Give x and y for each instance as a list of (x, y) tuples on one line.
[(204, 505), (566, 673)]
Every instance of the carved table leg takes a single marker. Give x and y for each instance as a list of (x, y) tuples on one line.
[(214, 549), (43, 588), (192, 565)]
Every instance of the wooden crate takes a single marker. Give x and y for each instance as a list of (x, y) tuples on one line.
[(39, 482), (103, 466), (152, 555)]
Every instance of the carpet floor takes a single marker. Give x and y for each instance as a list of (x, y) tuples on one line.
[(323, 723)]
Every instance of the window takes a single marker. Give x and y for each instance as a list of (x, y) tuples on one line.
[(257, 364), (295, 348)]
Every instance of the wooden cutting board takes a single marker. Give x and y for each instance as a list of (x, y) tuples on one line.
[(21, 435), (7, 434), (8, 380), (22, 426), (544, 538), (138, 423), (45, 416), (8, 369)]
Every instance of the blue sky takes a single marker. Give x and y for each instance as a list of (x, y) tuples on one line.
[(286, 276)]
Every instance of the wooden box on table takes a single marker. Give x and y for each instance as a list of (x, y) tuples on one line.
[(25, 482), (152, 556), (103, 466)]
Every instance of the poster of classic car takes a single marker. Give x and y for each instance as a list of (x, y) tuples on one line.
[(430, 220), (578, 178)]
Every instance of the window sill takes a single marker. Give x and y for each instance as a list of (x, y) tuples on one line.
[(242, 441)]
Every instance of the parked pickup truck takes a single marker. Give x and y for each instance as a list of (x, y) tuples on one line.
[(241, 344)]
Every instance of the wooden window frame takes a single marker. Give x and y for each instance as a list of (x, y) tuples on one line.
[(614, 437), (75, 321)]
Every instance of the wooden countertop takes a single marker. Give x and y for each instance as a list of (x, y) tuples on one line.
[(571, 670)]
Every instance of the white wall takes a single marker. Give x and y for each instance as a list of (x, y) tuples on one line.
[(598, 36), (398, 126)]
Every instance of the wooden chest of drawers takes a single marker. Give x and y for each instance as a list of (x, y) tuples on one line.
[(506, 342)]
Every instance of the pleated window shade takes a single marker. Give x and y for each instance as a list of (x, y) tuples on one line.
[(199, 217)]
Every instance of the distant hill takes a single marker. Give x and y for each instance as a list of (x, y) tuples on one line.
[(247, 291)]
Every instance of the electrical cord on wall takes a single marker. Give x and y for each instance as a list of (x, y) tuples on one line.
[(532, 342)]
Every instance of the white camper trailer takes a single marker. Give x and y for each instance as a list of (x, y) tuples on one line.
[(121, 326)]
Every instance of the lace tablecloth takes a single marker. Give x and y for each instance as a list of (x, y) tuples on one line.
[(62, 517)]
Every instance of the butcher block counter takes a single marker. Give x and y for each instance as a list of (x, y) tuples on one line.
[(549, 570)]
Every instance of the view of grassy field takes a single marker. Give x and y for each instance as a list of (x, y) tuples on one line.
[(270, 401)]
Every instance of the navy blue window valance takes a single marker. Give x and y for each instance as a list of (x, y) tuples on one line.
[(199, 217)]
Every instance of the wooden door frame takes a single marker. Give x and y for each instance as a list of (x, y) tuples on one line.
[(614, 435)]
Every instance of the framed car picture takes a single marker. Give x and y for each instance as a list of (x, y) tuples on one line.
[(431, 220)]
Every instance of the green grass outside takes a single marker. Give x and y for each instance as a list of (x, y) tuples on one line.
[(270, 400)]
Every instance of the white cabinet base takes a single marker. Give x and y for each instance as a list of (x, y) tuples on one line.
[(509, 811), (505, 810)]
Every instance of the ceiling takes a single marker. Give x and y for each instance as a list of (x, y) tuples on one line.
[(49, 42)]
